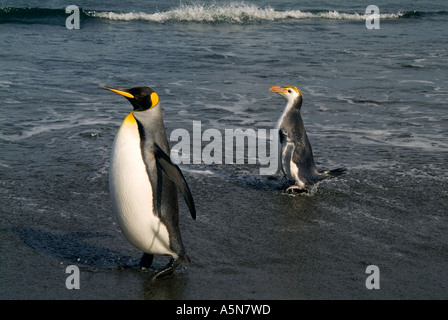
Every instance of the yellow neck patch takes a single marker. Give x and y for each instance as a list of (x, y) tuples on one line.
[(130, 118), (154, 99)]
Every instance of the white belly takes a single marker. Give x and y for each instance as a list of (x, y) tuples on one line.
[(131, 194), (294, 174)]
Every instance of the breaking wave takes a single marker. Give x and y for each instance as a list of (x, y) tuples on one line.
[(238, 13), (234, 13)]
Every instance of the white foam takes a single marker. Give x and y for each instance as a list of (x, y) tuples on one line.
[(5, 84), (416, 81), (207, 172), (44, 127), (235, 12), (388, 137)]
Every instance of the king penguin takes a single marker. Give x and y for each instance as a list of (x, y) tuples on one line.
[(143, 182), (296, 155)]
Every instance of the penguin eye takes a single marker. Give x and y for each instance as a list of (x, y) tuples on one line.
[(289, 91)]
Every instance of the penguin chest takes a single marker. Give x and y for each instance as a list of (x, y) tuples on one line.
[(131, 193)]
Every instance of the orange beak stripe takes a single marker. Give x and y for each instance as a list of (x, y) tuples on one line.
[(277, 89)]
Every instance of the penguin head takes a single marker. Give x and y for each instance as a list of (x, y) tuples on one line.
[(141, 98), (291, 94)]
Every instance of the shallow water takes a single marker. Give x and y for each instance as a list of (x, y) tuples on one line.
[(374, 102)]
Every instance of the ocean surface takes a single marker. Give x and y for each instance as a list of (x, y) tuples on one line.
[(374, 101)]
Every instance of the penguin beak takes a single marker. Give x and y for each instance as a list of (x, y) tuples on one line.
[(120, 91), (277, 89)]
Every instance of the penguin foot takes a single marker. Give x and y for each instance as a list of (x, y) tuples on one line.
[(293, 188), (162, 272), (169, 268)]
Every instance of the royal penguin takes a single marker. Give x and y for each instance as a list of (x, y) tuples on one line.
[(296, 155)]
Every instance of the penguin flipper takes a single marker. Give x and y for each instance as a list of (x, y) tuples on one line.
[(287, 149), (173, 172), (282, 135)]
